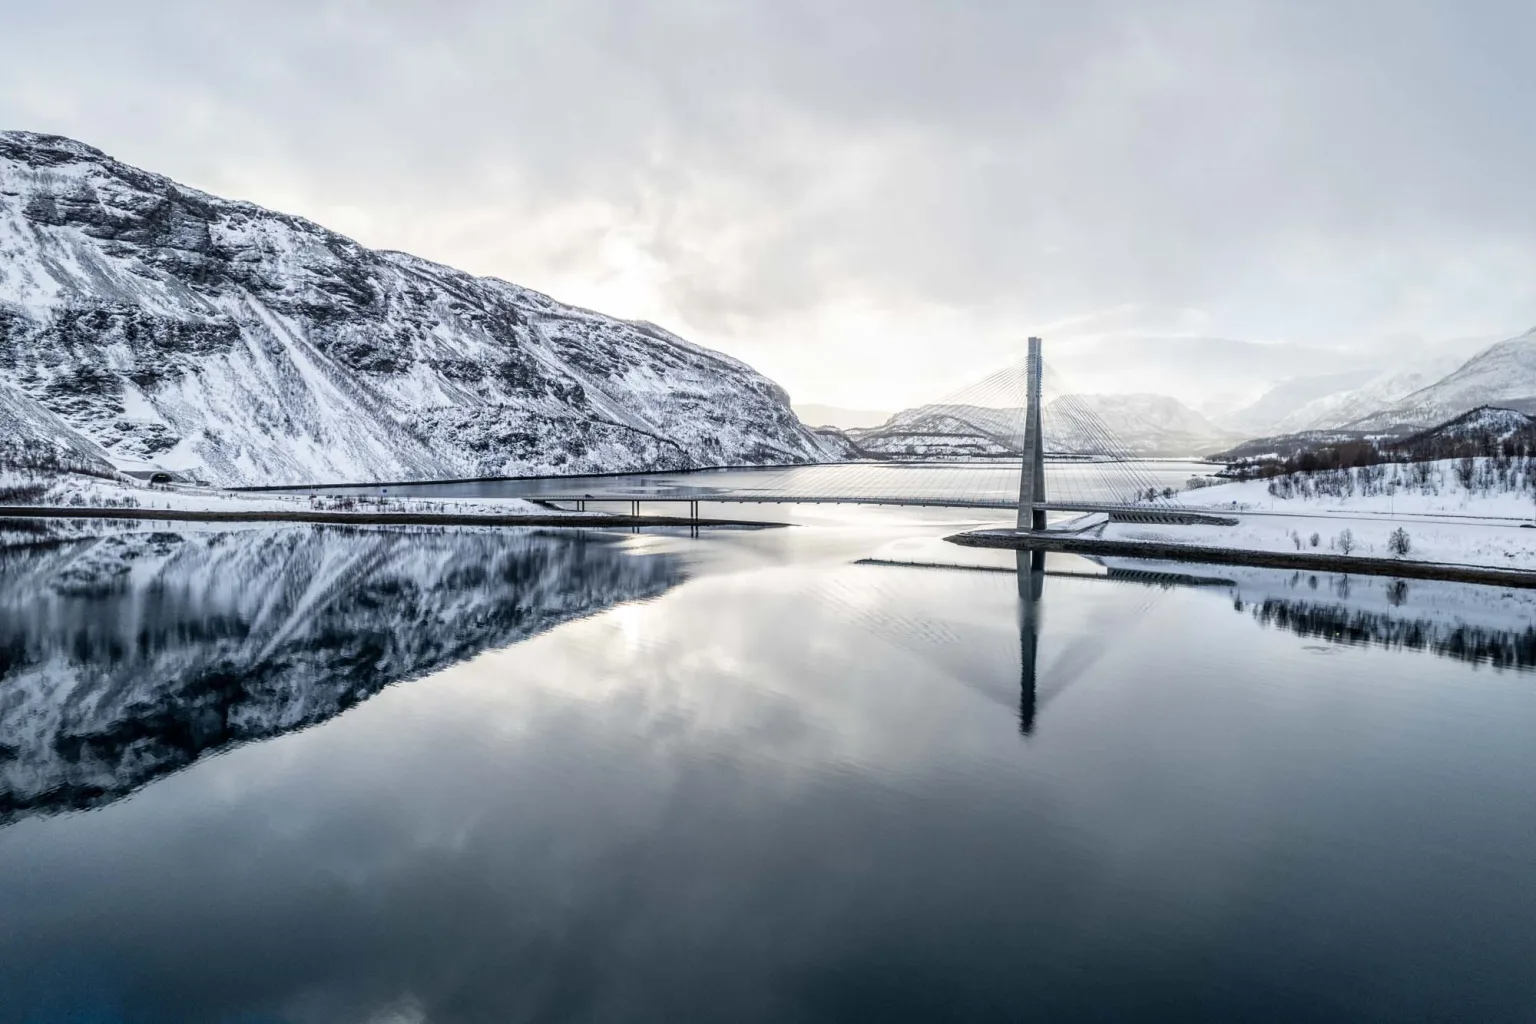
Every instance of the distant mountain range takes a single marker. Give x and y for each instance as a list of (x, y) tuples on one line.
[(1333, 401), (1397, 403), (168, 327), (1143, 425), (838, 416), (1502, 375), (1302, 413), (1486, 430)]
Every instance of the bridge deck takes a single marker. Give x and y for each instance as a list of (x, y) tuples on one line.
[(935, 501)]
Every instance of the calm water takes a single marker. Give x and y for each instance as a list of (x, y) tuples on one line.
[(307, 774)]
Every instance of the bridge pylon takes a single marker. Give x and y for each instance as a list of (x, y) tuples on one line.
[(1032, 476)]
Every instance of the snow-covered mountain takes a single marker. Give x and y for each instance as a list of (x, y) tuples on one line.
[(1332, 401), (131, 655), (1343, 408), (1281, 403), (946, 431), (174, 328), (1148, 425), (1143, 424), (1501, 375), (839, 416)]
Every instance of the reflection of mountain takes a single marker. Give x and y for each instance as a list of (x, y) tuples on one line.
[(126, 657)]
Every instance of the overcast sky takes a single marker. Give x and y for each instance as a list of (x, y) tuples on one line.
[(873, 201)]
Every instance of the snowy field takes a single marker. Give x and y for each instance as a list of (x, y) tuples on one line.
[(1462, 512), (1500, 546), (1483, 488)]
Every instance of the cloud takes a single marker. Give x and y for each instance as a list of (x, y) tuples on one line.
[(860, 195)]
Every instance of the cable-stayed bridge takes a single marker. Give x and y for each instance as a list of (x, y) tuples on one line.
[(1017, 440)]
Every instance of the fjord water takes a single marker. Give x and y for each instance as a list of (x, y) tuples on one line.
[(308, 774)]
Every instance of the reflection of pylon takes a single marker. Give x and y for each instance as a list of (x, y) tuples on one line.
[(1031, 571), (1032, 474)]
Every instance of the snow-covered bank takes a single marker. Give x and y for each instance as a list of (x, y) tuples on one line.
[(72, 490), (1451, 511), (1492, 545), (1496, 488)]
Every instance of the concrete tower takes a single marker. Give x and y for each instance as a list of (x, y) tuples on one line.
[(1032, 478)]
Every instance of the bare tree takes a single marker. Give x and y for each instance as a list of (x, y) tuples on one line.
[(1399, 543), (1466, 472), (1346, 542)]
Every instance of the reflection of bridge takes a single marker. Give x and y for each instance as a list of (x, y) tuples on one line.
[(1030, 570), (1106, 476)]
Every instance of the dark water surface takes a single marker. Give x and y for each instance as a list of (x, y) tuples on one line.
[(309, 774)]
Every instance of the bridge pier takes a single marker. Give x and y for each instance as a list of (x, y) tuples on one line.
[(1032, 472)]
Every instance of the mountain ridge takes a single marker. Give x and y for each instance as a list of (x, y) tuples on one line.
[(175, 328), (1503, 374)]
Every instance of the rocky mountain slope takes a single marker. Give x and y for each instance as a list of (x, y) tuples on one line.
[(1145, 425), (1501, 375), (32, 438), (174, 328), (127, 656), (1485, 430)]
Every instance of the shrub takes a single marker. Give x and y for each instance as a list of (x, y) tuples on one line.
[(23, 494)]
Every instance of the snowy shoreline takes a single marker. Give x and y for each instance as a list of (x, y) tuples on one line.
[(34, 495), (1440, 519), (1200, 554), (360, 518)]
